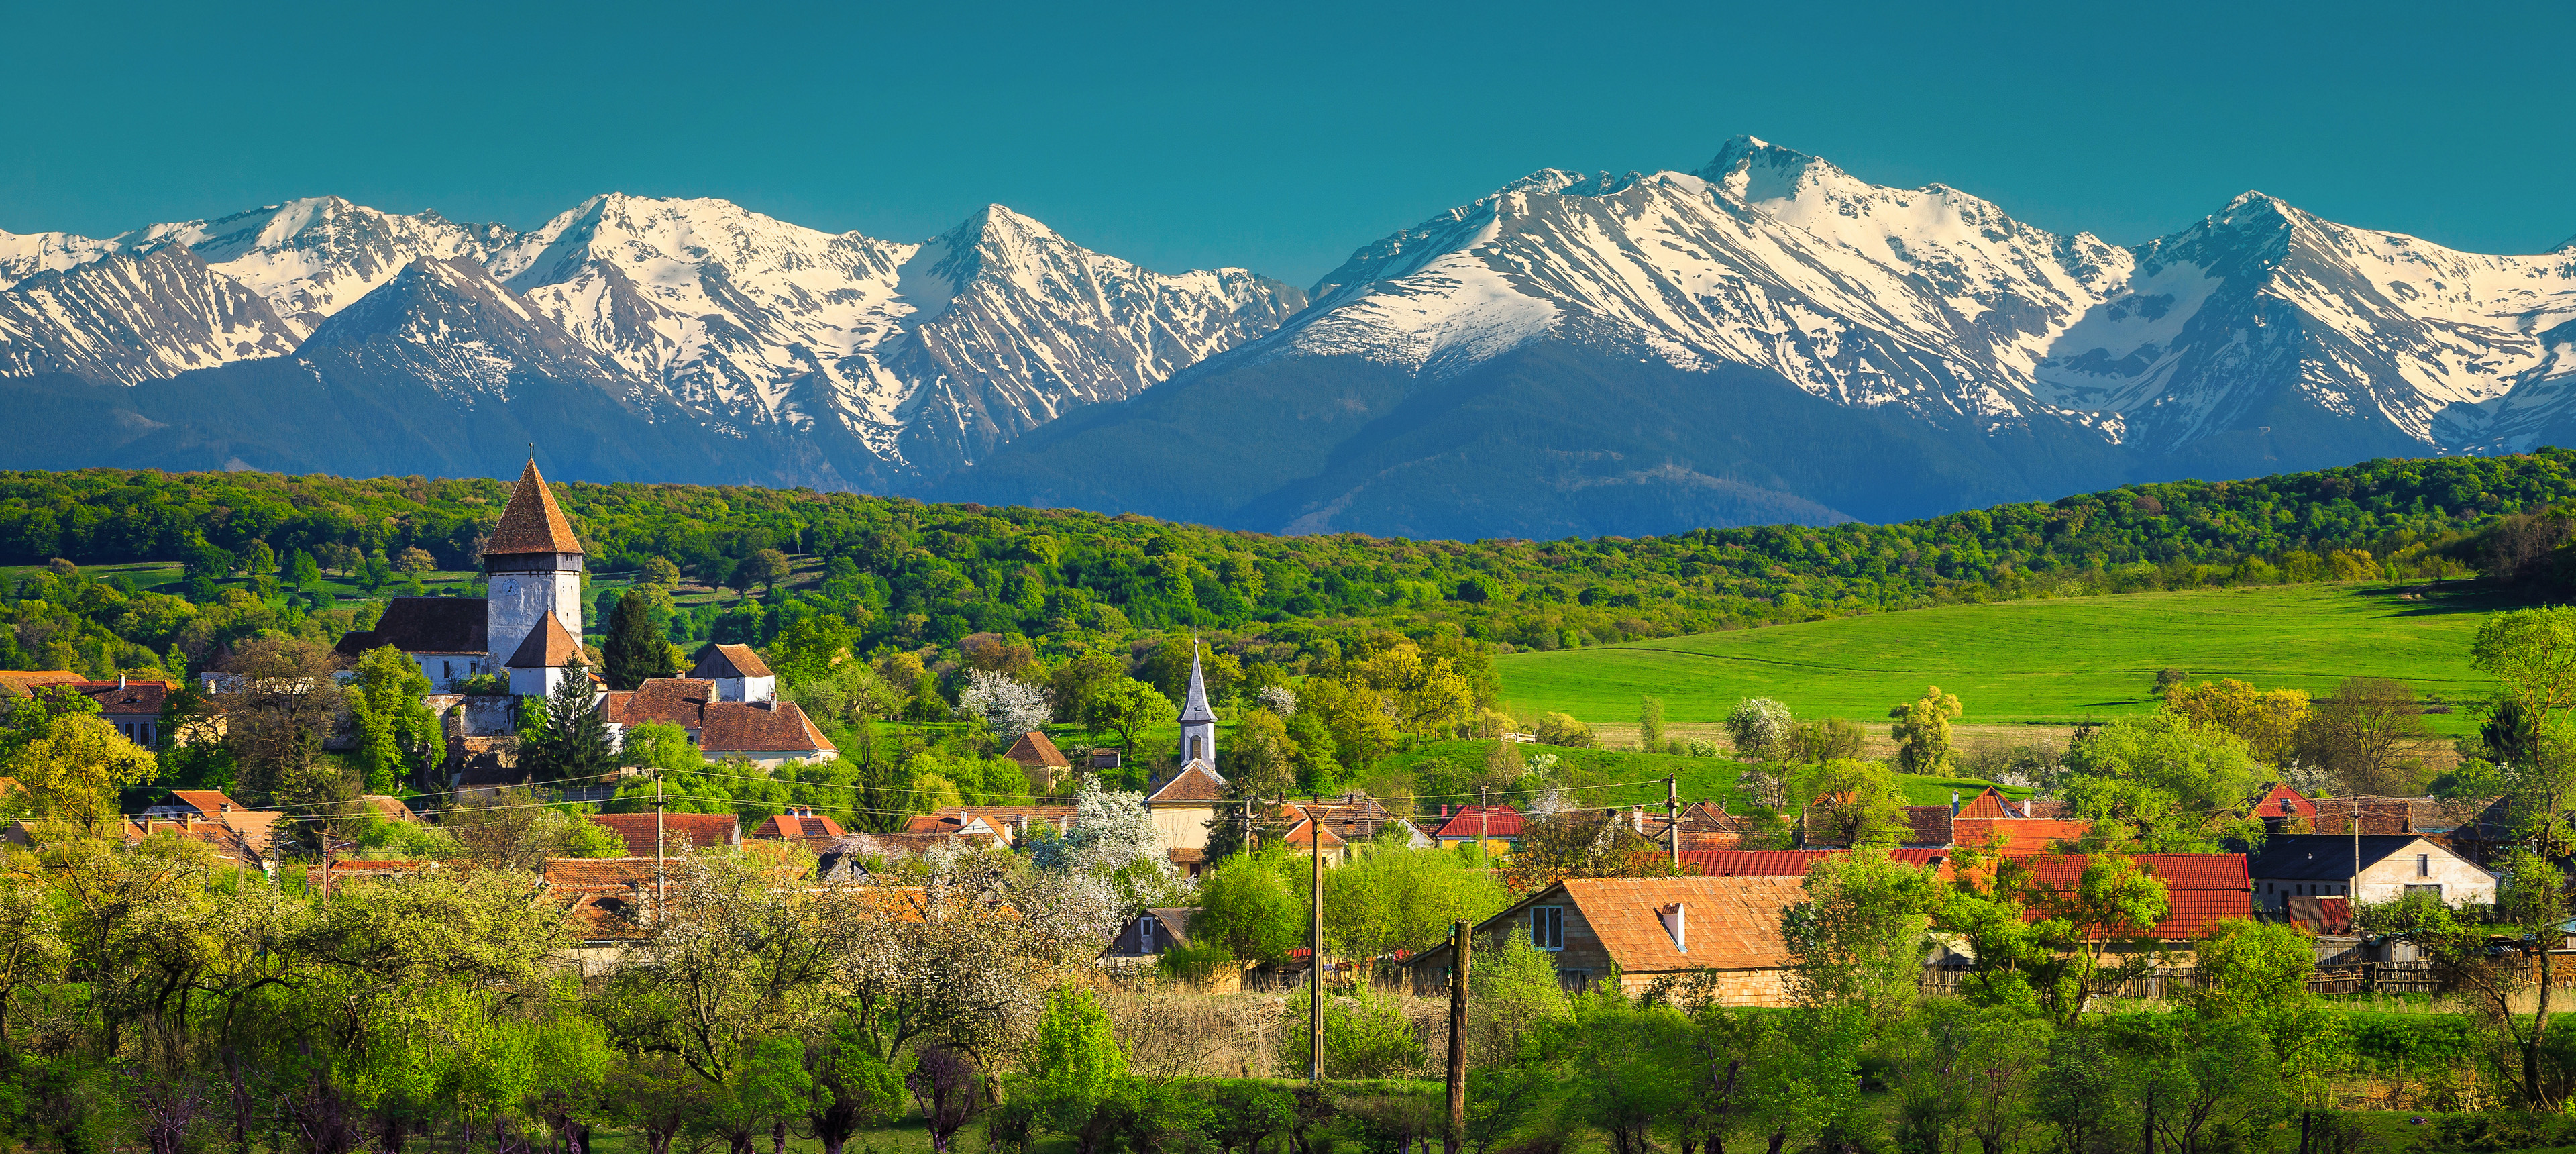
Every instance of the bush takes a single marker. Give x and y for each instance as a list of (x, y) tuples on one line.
[(1196, 962), (1365, 1036), (1562, 730)]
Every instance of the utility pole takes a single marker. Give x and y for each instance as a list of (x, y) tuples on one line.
[(1459, 934), (1315, 951), (1484, 813), (1673, 817), (2352, 889), (661, 888)]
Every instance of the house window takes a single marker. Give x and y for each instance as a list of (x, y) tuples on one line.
[(1145, 927), (1198, 747), (2423, 866), (1547, 927)]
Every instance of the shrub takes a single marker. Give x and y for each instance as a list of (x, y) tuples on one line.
[(1562, 730), (1365, 1036)]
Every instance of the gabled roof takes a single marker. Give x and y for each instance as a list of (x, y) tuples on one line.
[(759, 727), (796, 825), (2202, 888), (549, 646), (207, 801), (1196, 783), (1036, 751), (128, 699), (1930, 824), (424, 625), (1992, 804), (695, 830), (730, 661), (1175, 921), (1304, 834), (1498, 821), (1729, 923), (532, 522), (389, 808), (2327, 857), (679, 701), (1195, 706)]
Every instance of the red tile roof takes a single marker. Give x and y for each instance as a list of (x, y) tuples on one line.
[(1196, 782), (1729, 923), (707, 830), (676, 701), (2203, 888), (795, 825), (1990, 803), (207, 801), (1304, 834), (532, 522), (1036, 751), (759, 727), (548, 646), (127, 700), (2019, 834), (1930, 823), (730, 661), (1497, 821)]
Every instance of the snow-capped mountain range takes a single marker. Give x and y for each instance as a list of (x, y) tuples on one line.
[(896, 359), (1765, 338)]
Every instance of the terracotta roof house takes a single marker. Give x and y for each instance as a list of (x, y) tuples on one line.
[(389, 808), (679, 701), (767, 734), (2391, 866), (134, 707), (235, 842), (738, 673), (797, 824), (1724, 931), (1465, 824), (1038, 757), (1183, 806), (1357, 818), (1704, 825), (1930, 824), (444, 635), (1300, 840), (257, 827), (680, 831), (2281, 806), (2017, 834), (2203, 888), (606, 903)]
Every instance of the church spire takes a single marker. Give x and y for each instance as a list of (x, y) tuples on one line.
[(1195, 706), (532, 522)]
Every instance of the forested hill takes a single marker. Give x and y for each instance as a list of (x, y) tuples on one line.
[(910, 573)]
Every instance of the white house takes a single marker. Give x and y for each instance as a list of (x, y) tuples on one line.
[(739, 674), (2391, 866)]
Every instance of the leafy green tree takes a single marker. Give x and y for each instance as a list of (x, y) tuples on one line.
[(396, 731), (2532, 655), (765, 568), (852, 1088), (1395, 898), (1077, 1070), (2167, 783), (1857, 803), (1125, 708), (567, 738), (1759, 729), (809, 649), (1650, 723), (1922, 732), (1859, 938), (636, 651), (1247, 905)]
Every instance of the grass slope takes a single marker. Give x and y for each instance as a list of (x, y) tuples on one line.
[(2027, 661)]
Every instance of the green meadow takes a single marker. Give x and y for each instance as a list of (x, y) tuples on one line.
[(2029, 662)]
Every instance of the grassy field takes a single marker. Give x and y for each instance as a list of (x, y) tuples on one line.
[(2027, 662)]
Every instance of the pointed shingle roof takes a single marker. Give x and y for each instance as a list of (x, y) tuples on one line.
[(549, 646), (730, 661), (1196, 707), (532, 522), (1197, 782)]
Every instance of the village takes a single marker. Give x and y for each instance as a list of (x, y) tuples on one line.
[(1208, 924)]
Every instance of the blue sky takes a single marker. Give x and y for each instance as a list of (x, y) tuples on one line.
[(1280, 137)]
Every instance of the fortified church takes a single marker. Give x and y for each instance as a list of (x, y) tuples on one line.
[(528, 633)]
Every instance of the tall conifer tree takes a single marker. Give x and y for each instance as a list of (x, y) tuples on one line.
[(635, 651)]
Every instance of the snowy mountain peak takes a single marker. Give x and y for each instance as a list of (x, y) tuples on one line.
[(1756, 171)]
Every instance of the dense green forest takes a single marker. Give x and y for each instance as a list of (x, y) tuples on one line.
[(909, 575)]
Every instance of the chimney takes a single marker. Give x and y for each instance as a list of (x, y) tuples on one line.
[(1954, 803), (120, 681), (1675, 924)]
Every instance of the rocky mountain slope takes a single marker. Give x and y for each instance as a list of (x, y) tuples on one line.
[(1771, 338)]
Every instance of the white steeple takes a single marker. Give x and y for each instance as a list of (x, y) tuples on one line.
[(1198, 722)]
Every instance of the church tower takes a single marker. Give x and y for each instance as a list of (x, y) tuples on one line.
[(535, 566), (1198, 723)]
